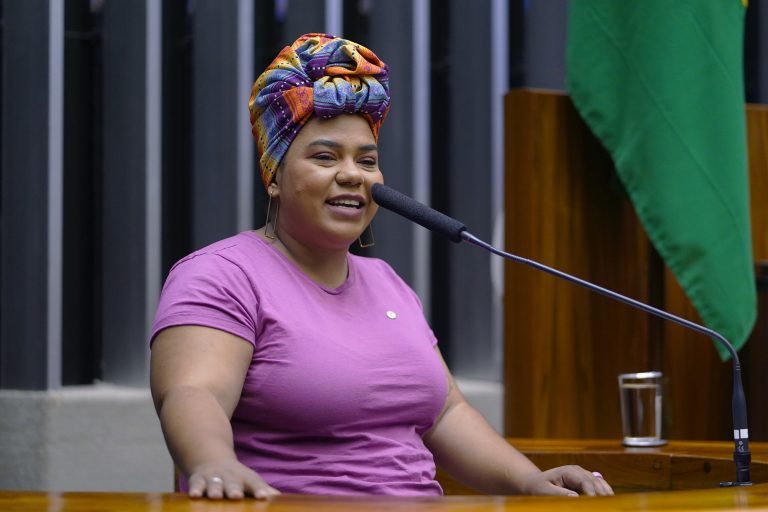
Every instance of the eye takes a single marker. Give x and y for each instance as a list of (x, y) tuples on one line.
[(368, 161), (324, 157)]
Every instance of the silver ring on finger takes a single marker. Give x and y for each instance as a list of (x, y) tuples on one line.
[(217, 480)]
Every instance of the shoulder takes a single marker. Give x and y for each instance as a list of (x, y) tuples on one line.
[(232, 267), (214, 287), (235, 254)]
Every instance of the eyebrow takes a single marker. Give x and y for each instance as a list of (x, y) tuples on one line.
[(336, 145)]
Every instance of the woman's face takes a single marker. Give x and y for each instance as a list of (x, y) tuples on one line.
[(324, 184)]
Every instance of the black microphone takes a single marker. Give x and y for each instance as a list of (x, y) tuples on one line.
[(457, 232), (417, 212)]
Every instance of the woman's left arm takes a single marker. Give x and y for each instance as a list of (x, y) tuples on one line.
[(470, 450)]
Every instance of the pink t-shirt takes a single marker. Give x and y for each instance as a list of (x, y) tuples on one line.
[(343, 382)]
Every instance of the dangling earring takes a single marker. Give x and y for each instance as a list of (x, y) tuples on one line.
[(272, 236), (368, 235)]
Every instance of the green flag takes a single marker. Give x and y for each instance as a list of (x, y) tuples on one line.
[(660, 83)]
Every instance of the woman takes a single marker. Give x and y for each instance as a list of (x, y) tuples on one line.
[(282, 363)]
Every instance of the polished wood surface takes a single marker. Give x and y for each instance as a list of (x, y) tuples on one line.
[(680, 465), (757, 132), (566, 208), (755, 498), (755, 353), (564, 345)]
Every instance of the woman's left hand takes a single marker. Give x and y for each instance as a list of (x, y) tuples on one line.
[(567, 481)]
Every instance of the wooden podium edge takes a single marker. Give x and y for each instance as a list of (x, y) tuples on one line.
[(679, 465)]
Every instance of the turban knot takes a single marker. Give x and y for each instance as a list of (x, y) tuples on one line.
[(321, 75)]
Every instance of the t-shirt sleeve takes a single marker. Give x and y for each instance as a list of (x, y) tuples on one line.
[(210, 291)]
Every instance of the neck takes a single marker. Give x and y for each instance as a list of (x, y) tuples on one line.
[(325, 266)]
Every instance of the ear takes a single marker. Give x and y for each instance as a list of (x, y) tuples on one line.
[(273, 190)]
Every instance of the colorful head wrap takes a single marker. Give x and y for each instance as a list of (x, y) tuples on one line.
[(321, 75)]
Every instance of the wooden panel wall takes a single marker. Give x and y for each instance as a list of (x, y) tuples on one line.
[(756, 350), (564, 345), (566, 208), (683, 354)]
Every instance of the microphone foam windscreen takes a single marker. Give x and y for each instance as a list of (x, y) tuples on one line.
[(417, 212)]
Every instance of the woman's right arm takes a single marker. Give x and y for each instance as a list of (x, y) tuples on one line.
[(196, 377)]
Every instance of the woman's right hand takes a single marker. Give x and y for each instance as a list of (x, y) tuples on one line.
[(197, 375), (228, 479)]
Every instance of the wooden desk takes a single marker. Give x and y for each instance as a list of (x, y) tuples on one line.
[(680, 465), (755, 497)]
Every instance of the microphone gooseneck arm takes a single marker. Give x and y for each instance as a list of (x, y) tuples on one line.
[(457, 232), (741, 453)]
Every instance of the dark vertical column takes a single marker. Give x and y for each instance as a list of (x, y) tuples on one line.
[(80, 347), (30, 219), (546, 23), (2, 56), (221, 140), (268, 40), (756, 53), (516, 30), (131, 195), (469, 177), (177, 132), (441, 157)]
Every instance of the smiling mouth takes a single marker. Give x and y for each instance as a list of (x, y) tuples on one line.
[(346, 203)]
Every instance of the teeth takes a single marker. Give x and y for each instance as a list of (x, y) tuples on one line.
[(350, 203)]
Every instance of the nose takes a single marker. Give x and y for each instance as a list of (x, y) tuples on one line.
[(349, 174)]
